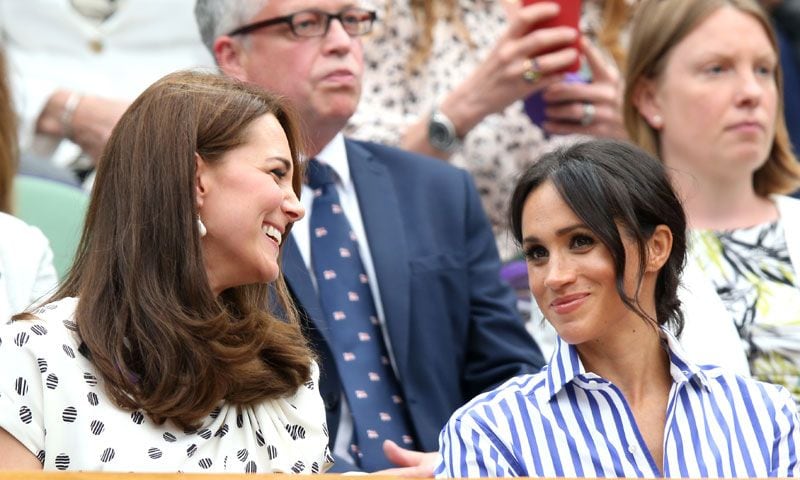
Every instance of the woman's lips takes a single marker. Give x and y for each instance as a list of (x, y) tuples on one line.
[(568, 303)]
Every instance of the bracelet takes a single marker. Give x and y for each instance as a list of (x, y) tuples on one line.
[(68, 112)]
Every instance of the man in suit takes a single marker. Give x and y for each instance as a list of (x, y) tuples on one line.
[(446, 326)]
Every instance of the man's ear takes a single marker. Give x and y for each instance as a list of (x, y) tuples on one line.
[(231, 57), (200, 179), (659, 246), (646, 102)]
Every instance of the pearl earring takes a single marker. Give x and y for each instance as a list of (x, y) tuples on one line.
[(656, 120), (201, 228)]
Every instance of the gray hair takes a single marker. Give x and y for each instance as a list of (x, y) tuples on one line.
[(218, 17)]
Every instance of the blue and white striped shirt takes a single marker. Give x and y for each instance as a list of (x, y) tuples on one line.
[(566, 422)]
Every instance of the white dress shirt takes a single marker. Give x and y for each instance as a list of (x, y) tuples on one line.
[(335, 155)]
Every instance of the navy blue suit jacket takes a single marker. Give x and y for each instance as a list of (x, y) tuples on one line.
[(452, 323)]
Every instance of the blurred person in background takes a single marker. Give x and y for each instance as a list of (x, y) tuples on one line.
[(76, 65), (703, 89), (26, 260)]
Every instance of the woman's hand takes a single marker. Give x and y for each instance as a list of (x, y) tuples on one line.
[(568, 109), (409, 463), (515, 68)]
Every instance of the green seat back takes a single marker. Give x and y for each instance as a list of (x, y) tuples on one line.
[(57, 209)]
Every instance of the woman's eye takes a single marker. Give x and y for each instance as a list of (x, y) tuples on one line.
[(715, 69), (582, 241), (765, 71), (535, 253), (279, 172)]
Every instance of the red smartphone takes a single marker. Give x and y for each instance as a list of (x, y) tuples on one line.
[(568, 16)]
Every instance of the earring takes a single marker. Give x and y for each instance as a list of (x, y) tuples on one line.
[(656, 121), (201, 228)]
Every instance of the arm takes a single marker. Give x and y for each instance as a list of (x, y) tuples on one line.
[(494, 84), (786, 462), (15, 456), (467, 451), (88, 125)]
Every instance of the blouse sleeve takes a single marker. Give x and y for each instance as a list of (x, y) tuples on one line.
[(468, 450), (24, 362), (787, 439)]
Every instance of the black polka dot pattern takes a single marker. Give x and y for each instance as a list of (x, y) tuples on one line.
[(69, 414), (62, 461), (56, 389), (21, 386), (137, 417), (25, 415), (97, 427), (39, 330), (107, 456)]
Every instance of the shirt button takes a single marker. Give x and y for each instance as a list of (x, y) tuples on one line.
[(96, 45), (632, 449)]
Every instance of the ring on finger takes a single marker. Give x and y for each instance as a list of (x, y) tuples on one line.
[(588, 114), (531, 73)]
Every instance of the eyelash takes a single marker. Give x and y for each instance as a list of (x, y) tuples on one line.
[(579, 241), (279, 173)]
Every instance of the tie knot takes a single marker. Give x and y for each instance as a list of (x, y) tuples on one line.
[(319, 174)]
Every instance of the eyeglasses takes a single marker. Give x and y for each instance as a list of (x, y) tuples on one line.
[(315, 23)]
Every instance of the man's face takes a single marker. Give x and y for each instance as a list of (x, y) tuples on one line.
[(321, 76)]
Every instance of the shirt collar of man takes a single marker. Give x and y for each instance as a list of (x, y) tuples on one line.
[(335, 155), (565, 366)]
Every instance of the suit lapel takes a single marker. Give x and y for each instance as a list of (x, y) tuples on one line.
[(380, 212), (299, 281)]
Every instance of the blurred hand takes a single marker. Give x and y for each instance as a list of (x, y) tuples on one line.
[(92, 122), (498, 81), (565, 101), (409, 463)]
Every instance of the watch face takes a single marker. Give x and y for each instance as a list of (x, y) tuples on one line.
[(440, 136)]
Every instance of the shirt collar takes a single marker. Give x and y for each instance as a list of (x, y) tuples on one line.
[(335, 155), (566, 365)]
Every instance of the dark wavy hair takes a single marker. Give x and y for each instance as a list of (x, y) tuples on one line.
[(146, 314), (615, 188)]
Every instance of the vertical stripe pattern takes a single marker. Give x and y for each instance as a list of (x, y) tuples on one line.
[(566, 422)]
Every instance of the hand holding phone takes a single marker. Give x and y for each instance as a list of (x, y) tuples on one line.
[(568, 16)]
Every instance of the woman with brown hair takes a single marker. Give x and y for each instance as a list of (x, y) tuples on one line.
[(702, 92), (26, 260), (157, 353)]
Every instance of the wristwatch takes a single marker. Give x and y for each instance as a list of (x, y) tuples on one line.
[(442, 133)]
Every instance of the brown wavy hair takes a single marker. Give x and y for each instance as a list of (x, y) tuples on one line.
[(162, 341), (658, 27), (9, 149)]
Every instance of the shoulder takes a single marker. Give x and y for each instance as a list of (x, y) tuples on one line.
[(17, 232), (53, 324), (504, 403), (748, 395), (403, 160)]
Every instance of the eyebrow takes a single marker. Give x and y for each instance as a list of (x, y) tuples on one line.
[(560, 232), (286, 163)]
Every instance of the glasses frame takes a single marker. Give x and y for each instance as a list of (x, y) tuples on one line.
[(288, 19)]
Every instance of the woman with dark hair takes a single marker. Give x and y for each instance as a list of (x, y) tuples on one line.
[(157, 353), (603, 234), (703, 90)]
